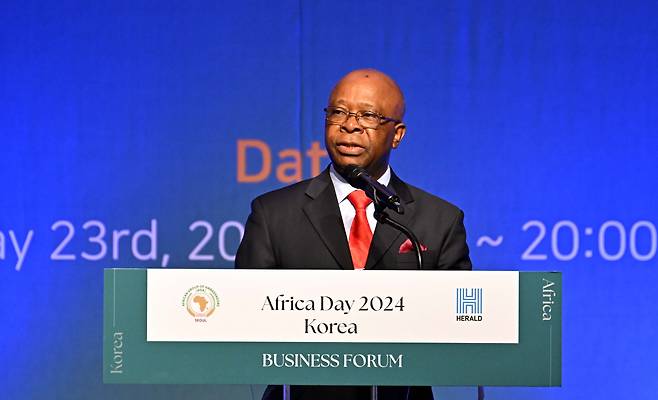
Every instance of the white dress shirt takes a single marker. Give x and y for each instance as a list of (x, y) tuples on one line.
[(347, 211)]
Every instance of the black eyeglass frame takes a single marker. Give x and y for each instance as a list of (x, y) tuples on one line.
[(382, 118)]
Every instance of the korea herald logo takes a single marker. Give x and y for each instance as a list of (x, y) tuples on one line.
[(200, 302), (469, 304)]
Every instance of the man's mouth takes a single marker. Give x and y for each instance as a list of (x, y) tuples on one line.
[(350, 149)]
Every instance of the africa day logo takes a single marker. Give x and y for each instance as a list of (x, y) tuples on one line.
[(200, 301)]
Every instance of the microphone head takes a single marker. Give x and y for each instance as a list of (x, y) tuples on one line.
[(353, 173)]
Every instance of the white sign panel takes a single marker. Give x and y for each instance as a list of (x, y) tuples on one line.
[(372, 306)]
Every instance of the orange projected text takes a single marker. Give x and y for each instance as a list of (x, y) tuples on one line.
[(255, 162)]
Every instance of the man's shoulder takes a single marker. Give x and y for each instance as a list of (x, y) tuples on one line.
[(427, 200), (286, 194)]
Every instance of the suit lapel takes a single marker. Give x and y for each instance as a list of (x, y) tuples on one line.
[(324, 214), (385, 235)]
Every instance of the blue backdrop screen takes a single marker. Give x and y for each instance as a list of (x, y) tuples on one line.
[(136, 133)]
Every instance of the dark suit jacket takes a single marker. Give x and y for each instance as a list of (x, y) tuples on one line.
[(300, 226)]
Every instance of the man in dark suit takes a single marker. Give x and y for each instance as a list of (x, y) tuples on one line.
[(325, 223)]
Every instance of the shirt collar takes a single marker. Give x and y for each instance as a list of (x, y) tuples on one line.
[(343, 188)]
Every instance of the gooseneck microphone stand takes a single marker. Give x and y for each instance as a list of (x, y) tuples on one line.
[(382, 217)]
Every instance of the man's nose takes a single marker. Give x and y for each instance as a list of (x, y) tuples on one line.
[(351, 124)]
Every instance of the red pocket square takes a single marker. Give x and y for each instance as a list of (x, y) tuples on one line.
[(407, 247)]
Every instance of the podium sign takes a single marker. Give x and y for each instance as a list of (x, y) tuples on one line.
[(332, 306), (327, 327)]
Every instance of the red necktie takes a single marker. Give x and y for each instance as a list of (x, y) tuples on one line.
[(360, 233)]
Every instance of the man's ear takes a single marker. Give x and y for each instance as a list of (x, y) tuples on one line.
[(400, 130)]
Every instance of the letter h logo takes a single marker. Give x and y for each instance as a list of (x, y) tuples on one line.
[(469, 301)]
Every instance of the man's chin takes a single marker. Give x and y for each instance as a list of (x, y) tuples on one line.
[(341, 164)]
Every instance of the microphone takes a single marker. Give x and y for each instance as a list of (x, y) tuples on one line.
[(380, 194)]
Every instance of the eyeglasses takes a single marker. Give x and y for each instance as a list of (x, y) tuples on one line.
[(367, 119)]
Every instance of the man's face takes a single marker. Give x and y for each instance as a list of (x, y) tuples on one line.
[(351, 144)]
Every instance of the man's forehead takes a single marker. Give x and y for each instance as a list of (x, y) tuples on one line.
[(360, 104), (362, 91), (372, 82)]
